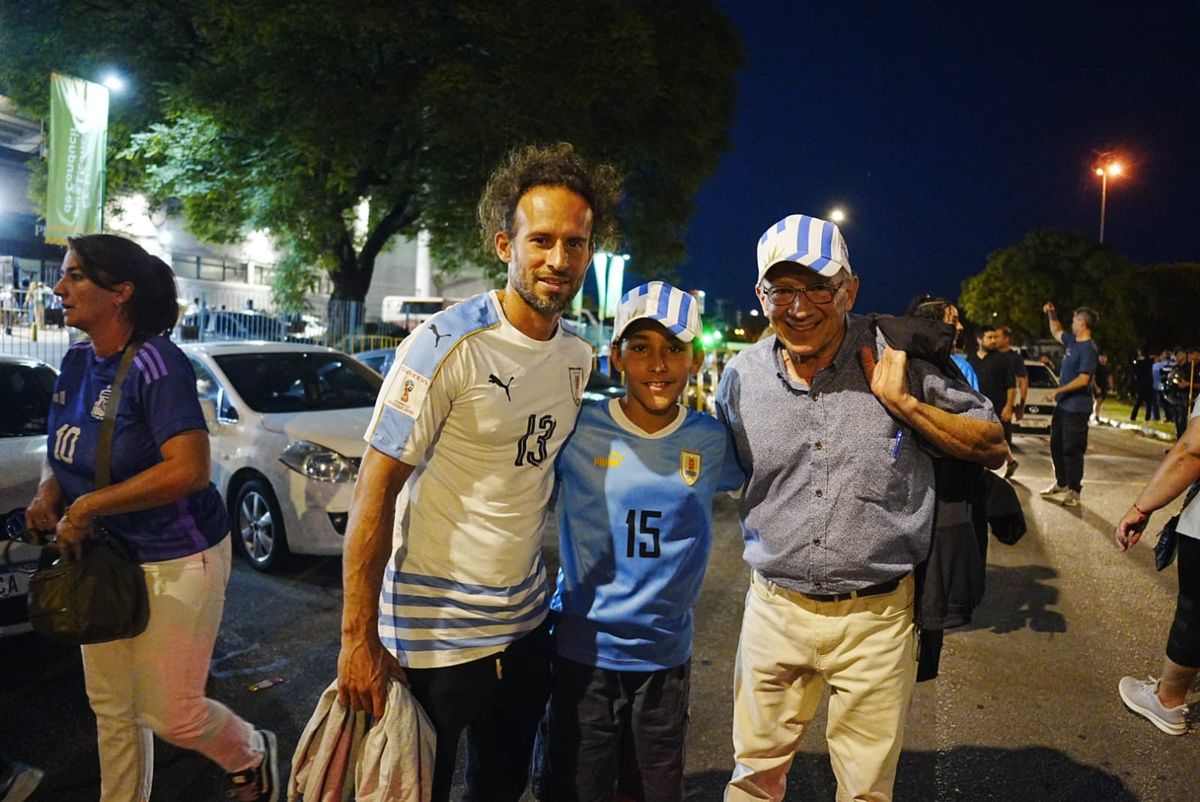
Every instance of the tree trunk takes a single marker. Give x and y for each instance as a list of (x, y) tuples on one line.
[(352, 277)]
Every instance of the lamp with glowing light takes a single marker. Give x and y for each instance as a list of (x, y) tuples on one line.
[(1113, 168)]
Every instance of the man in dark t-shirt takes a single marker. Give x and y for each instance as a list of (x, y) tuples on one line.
[(1143, 387), (1101, 383), (1073, 398), (997, 382), (1018, 364)]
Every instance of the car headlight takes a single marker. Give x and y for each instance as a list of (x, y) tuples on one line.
[(315, 461)]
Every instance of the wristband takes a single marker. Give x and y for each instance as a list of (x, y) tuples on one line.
[(1141, 511)]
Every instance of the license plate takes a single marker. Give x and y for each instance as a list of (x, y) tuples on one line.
[(14, 580)]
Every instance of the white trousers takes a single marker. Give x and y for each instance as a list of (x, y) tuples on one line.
[(154, 683), (790, 648)]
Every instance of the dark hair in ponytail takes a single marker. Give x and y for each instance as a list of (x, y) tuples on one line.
[(108, 260)]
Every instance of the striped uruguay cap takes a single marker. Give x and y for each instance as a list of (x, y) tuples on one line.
[(675, 309), (817, 244)]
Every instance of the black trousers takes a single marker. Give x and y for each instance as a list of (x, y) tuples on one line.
[(1068, 442), (609, 729), (1149, 397), (1183, 644), (498, 700)]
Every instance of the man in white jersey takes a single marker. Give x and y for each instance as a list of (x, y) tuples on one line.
[(445, 588)]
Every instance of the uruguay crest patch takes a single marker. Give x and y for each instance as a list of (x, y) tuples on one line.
[(575, 375), (689, 467)]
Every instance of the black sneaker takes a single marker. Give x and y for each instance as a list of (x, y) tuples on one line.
[(261, 783)]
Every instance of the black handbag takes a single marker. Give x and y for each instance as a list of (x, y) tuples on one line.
[(100, 596), (97, 598), (1168, 538)]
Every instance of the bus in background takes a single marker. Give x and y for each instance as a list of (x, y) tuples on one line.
[(410, 311)]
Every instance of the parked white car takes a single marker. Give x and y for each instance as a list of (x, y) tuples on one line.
[(1038, 411), (26, 385), (286, 434)]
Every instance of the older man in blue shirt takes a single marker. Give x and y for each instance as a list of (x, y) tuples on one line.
[(836, 513)]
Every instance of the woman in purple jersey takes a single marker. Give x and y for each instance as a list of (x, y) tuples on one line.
[(160, 505)]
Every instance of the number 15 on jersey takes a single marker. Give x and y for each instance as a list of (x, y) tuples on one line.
[(639, 529)]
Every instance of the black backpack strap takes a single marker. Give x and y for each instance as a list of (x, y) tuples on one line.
[(109, 424)]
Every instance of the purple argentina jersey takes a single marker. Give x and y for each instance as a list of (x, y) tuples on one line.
[(158, 401)]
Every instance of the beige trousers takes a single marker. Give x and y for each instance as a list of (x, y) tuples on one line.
[(790, 648), (154, 683)]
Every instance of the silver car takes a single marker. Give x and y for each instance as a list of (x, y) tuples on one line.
[(26, 385), (1038, 411), (286, 427)]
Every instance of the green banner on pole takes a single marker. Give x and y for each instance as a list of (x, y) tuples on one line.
[(78, 139)]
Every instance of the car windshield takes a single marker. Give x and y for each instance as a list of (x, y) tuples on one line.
[(26, 392), (301, 381), (1040, 376)]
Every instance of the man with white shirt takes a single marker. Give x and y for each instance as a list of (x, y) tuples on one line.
[(446, 589)]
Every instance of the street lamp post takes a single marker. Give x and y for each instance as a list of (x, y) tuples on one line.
[(1104, 171)]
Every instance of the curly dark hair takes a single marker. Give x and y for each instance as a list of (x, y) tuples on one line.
[(558, 165), (108, 260)]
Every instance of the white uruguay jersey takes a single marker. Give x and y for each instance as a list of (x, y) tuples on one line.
[(481, 410)]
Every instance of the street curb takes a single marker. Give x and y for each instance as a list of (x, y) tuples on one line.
[(1130, 426)]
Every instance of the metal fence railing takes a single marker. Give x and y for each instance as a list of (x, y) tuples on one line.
[(211, 316)]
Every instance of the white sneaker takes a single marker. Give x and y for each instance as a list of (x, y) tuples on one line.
[(1053, 490), (1071, 499), (1142, 698)]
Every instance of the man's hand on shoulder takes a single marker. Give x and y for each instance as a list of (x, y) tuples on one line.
[(888, 378), (959, 436), (364, 668)]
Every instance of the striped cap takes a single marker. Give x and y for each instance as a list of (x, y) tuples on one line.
[(675, 309), (817, 244)]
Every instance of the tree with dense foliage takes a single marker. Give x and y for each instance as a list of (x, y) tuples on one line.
[(286, 114), (1168, 306), (1066, 268)]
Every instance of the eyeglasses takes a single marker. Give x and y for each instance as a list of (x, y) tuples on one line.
[(786, 296)]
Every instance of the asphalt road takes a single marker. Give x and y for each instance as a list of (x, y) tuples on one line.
[(1026, 707)]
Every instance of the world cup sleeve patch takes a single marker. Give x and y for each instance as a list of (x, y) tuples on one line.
[(689, 467), (408, 393)]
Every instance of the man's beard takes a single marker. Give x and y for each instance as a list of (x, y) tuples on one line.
[(555, 305)]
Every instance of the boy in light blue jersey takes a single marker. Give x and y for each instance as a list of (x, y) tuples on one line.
[(636, 482)]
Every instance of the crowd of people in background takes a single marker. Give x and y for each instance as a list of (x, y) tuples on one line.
[(30, 303)]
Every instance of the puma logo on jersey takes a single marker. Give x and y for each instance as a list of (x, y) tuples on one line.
[(494, 379), (437, 337), (611, 461)]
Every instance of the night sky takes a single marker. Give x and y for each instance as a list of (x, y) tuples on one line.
[(948, 131)]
